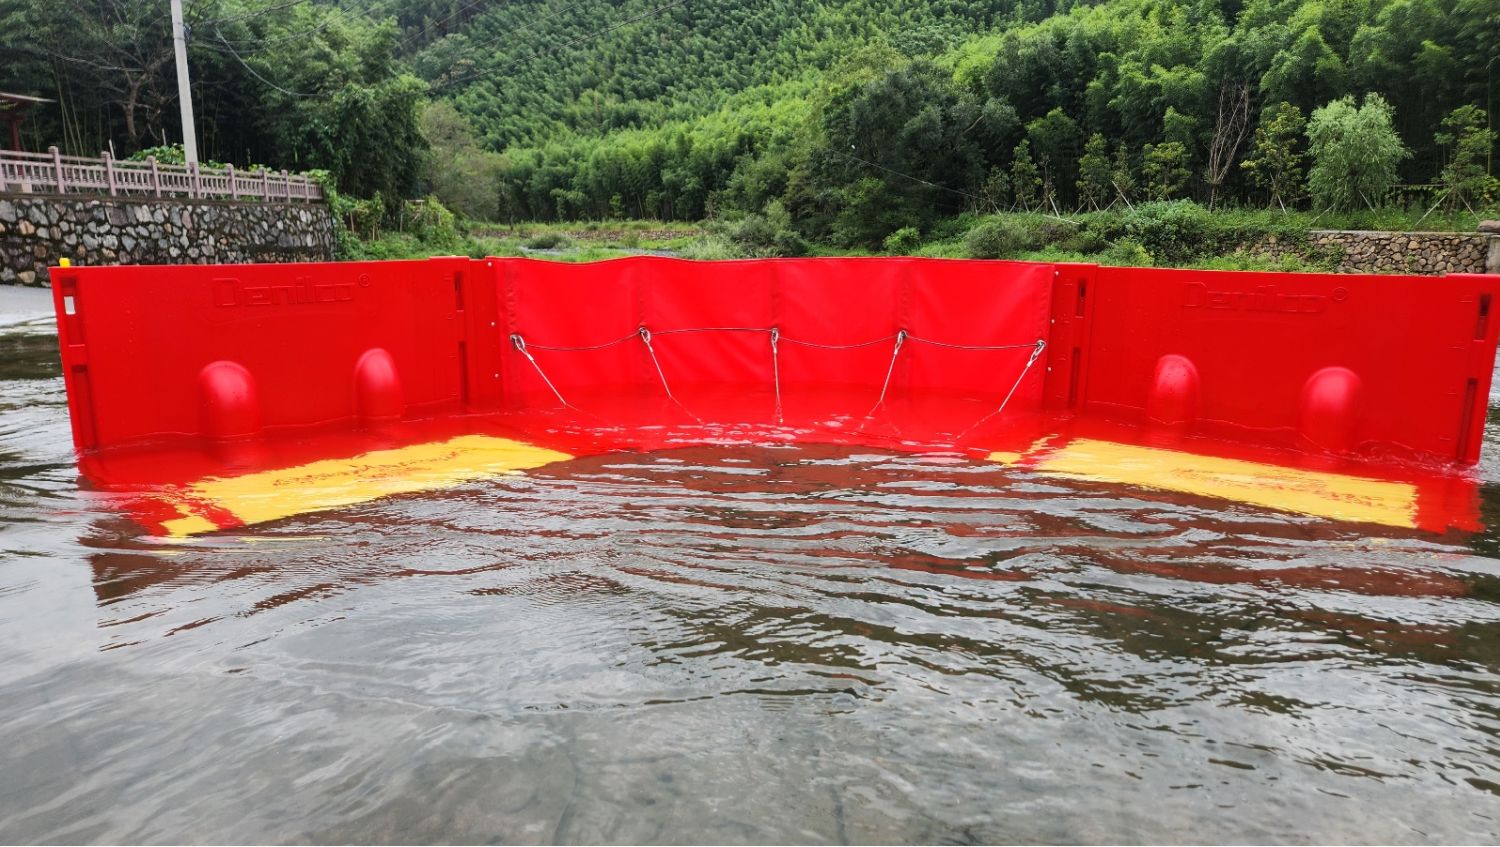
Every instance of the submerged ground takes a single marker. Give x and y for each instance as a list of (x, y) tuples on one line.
[(735, 644)]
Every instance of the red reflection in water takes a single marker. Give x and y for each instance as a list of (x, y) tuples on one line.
[(940, 427)]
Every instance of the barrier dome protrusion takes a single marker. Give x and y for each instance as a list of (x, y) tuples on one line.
[(1174, 391), (1329, 408), (377, 387), (228, 402)]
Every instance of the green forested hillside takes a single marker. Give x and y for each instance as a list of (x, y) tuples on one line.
[(525, 71), (848, 119)]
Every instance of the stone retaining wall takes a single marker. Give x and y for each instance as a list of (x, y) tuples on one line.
[(37, 230), (1360, 251), (1411, 252)]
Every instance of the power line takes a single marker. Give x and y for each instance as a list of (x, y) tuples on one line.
[(894, 172), (426, 28), (77, 60), (340, 13), (571, 42), (266, 10), (256, 74)]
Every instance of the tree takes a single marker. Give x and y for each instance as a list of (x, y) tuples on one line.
[(460, 174), (1055, 138), (1164, 169), (1094, 189), (367, 135), (1025, 179), (868, 213), (1121, 174), (907, 128), (996, 189), (1276, 162), (1355, 152), (1181, 128), (1305, 71), (1229, 131), (121, 53), (1467, 140)]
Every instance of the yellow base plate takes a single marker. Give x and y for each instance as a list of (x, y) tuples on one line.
[(1328, 495), (332, 483)]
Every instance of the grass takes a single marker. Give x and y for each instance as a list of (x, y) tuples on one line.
[(1180, 234), (620, 235), (402, 246)]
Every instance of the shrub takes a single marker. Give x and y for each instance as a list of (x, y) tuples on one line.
[(711, 246), (392, 245), (903, 241), (1127, 253), (1052, 253), (431, 223), (1172, 231), (999, 238), (754, 233), (955, 227), (789, 243), (1053, 231), (770, 234), (361, 219), (546, 241), (173, 154), (479, 248), (1086, 240)]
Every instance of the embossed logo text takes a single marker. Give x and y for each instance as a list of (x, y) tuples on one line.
[(1262, 298), (232, 292)]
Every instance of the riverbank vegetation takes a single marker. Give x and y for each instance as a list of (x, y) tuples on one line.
[(1010, 128), (1161, 234)]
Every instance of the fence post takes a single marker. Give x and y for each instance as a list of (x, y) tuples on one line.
[(109, 171), (2, 173), (57, 168), (234, 190), (155, 176), (287, 183), (265, 184), (197, 181)]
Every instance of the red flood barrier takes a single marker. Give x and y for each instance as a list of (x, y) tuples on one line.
[(994, 358), (1378, 366)]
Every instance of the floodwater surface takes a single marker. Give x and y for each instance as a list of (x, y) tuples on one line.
[(736, 644)]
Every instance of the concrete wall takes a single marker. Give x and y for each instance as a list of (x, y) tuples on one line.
[(37, 230)]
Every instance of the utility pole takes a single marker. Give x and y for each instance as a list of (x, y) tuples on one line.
[(184, 90)]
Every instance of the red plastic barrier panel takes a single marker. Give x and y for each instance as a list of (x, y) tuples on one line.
[(1366, 366), (1374, 366), (154, 353)]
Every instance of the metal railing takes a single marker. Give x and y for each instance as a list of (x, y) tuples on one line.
[(54, 173)]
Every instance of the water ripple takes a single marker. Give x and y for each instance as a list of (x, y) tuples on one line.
[(738, 643)]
